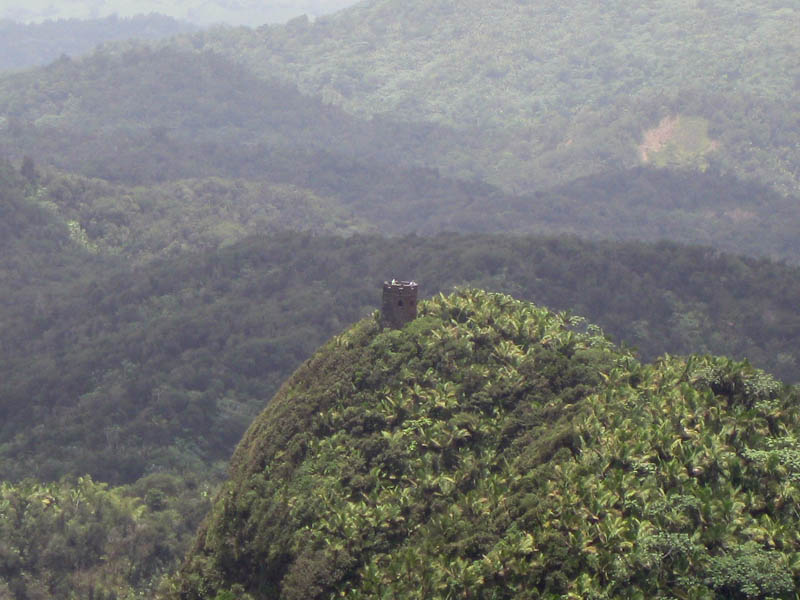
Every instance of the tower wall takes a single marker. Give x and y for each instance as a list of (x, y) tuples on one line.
[(399, 303)]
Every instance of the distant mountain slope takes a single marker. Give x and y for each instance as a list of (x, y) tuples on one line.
[(555, 90), (126, 371), (136, 115), (28, 45), (144, 223), (142, 115), (338, 195), (130, 112), (139, 115), (491, 450), (684, 206)]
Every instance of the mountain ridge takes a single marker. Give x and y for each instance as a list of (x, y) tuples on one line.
[(24, 46)]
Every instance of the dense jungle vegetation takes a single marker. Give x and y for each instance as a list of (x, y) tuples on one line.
[(639, 204), (184, 222), (495, 449), (78, 538)]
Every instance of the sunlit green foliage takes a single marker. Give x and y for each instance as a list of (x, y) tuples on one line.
[(494, 449), (81, 539)]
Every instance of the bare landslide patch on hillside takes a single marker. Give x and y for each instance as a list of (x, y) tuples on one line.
[(677, 141), (654, 139)]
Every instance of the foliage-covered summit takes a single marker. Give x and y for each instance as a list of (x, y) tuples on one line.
[(495, 449)]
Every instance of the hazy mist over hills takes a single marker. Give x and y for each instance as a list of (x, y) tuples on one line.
[(26, 45), (209, 12)]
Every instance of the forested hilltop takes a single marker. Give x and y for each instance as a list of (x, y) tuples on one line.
[(494, 449), (136, 346)]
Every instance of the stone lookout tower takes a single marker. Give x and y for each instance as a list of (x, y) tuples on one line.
[(399, 303)]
